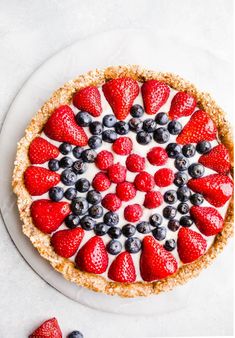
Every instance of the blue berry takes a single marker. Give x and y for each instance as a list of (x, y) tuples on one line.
[(196, 199), (133, 244), (173, 150), (162, 118), (159, 233), (183, 193), (65, 148), (56, 194), (79, 206), (161, 135), (181, 163), (128, 230), (170, 196), (149, 125), (96, 128), (186, 221), (114, 232), (203, 147), (143, 137), (183, 208), (143, 227), (79, 167), (121, 128), (101, 229), (96, 211), (135, 124), (95, 142), (77, 152), (111, 218), (66, 162), (174, 127), (155, 220), (196, 170), (188, 150), (83, 119), (72, 221), (87, 223), (94, 197), (170, 244), (109, 121), (114, 247), (68, 177), (70, 193), (89, 155), (169, 212), (181, 178), (137, 110), (173, 225), (109, 136), (54, 165), (82, 185), (75, 334)]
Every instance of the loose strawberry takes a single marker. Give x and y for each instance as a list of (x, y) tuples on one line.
[(88, 99), (101, 182), (39, 180), (133, 213), (117, 173), (61, 126), (122, 269), (125, 191), (66, 242), (153, 199), (122, 146), (111, 202), (120, 94), (164, 177), (49, 329), (92, 257), (155, 94), (135, 163), (41, 151), (191, 245), (104, 160), (144, 181), (182, 104), (217, 159), (157, 156), (155, 262), (207, 219)]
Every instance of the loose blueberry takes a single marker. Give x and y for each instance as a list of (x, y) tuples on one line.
[(82, 185), (155, 220), (87, 223), (75, 334), (72, 221), (66, 162), (133, 245), (96, 128), (77, 152), (95, 142), (109, 136), (79, 167), (128, 230), (83, 119), (183, 193), (96, 211), (101, 229), (188, 150), (111, 218), (143, 228), (54, 165), (159, 233), (183, 208), (114, 247), (94, 197), (68, 177), (56, 194), (114, 232), (181, 163), (79, 206), (149, 125), (174, 127), (196, 199), (109, 121), (173, 225), (89, 155), (162, 119), (143, 138), (70, 194), (161, 135), (181, 178), (65, 148), (135, 124), (169, 212), (170, 196), (186, 221), (203, 147), (196, 170), (170, 244), (121, 128), (173, 150), (137, 110)]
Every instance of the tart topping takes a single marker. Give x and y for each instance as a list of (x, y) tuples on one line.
[(41, 151), (207, 219), (164, 177), (104, 160), (122, 269), (217, 159), (144, 181), (182, 104), (153, 199), (125, 191), (111, 202), (157, 156), (66, 242), (88, 99), (122, 146), (155, 94), (135, 163), (133, 213)]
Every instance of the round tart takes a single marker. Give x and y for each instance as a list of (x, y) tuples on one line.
[(124, 183)]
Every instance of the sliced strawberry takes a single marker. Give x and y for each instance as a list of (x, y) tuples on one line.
[(49, 329), (122, 269), (41, 151), (199, 128), (61, 126), (93, 257), (155, 94), (217, 159), (47, 216), (120, 94), (156, 262), (66, 242), (182, 104), (217, 189), (207, 219), (39, 180), (191, 245), (88, 99)]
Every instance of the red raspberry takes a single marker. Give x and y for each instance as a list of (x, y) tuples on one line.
[(104, 160), (144, 181), (164, 177), (157, 156), (133, 213), (135, 163), (101, 182), (117, 173), (125, 191), (153, 199), (122, 146), (111, 202)]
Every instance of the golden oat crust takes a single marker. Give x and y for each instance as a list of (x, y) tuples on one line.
[(41, 241)]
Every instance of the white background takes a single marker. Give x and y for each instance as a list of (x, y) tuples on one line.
[(31, 31)]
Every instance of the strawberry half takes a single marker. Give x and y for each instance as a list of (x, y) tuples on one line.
[(88, 99), (155, 94), (122, 269), (41, 151), (47, 216), (39, 180), (155, 262), (182, 104), (199, 128), (61, 126), (217, 159), (191, 245), (66, 242), (92, 257), (217, 189), (207, 219), (120, 94), (49, 329)]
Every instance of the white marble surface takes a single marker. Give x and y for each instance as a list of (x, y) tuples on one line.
[(32, 31)]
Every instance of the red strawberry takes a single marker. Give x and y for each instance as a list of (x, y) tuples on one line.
[(39, 180), (92, 257), (61, 126), (155, 262), (120, 94), (41, 151), (88, 99), (135, 163), (182, 104), (157, 156), (207, 219), (104, 160), (217, 159), (133, 213), (155, 94), (66, 242), (199, 128), (144, 181), (47, 215), (217, 189), (153, 199), (164, 177), (49, 329), (191, 245), (117, 173), (125, 191), (122, 146), (122, 269), (111, 202), (101, 182)]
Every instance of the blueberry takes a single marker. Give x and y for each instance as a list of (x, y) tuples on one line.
[(149, 125), (101, 229), (181, 178), (186, 221), (133, 245), (159, 233), (162, 118), (174, 127), (137, 110), (75, 334), (109, 121), (111, 218), (181, 163), (96, 128), (56, 194), (87, 223), (173, 150), (169, 212), (68, 177), (203, 147), (114, 247), (155, 220), (66, 162), (79, 206), (188, 150), (121, 128), (95, 142), (173, 225), (82, 185), (143, 228), (93, 197), (83, 119), (161, 135), (96, 211), (72, 221), (54, 165), (109, 136), (79, 167), (170, 196), (77, 152), (196, 199), (143, 138), (135, 124), (70, 193), (114, 232), (128, 230), (65, 148), (170, 244), (183, 208), (183, 193), (196, 170), (89, 155)]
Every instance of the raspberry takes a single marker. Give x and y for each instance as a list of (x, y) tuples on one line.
[(125, 191), (111, 202), (117, 173), (135, 163), (144, 181), (157, 156), (133, 213), (153, 199), (122, 146), (101, 182), (104, 160), (164, 177)]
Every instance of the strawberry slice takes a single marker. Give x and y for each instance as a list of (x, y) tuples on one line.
[(199, 128), (182, 104), (207, 219), (61, 126), (217, 159), (122, 269), (120, 94), (49, 329), (92, 257), (88, 99), (191, 245), (39, 180), (66, 242), (217, 189), (155, 94), (41, 151), (155, 261), (47, 216)]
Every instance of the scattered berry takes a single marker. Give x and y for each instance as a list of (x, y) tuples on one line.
[(50, 328), (196, 170), (77, 152), (79, 167), (183, 208), (196, 199), (75, 334), (186, 221), (89, 155), (87, 223), (109, 136), (181, 178), (183, 193), (82, 185), (170, 196), (169, 212), (54, 165), (95, 142), (181, 163), (135, 124), (66, 162)]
